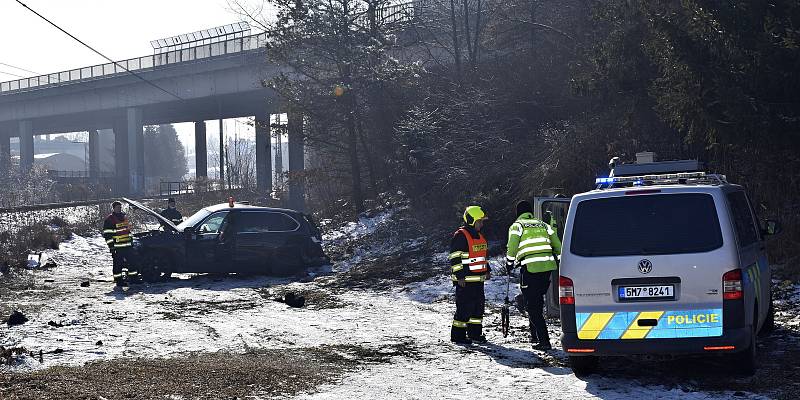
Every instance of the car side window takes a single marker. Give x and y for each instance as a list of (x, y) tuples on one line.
[(263, 222), (743, 219), (214, 223)]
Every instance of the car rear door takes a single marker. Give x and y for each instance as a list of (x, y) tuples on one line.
[(648, 263), (253, 250)]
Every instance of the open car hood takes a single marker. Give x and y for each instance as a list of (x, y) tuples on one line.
[(167, 224)]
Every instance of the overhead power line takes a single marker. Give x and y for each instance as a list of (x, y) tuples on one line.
[(12, 74), (19, 68), (99, 53)]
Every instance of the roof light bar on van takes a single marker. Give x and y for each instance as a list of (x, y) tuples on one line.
[(641, 179)]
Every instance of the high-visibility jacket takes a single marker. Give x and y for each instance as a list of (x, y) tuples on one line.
[(533, 244), (468, 251), (117, 231)]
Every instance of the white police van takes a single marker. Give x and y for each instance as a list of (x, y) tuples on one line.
[(663, 259)]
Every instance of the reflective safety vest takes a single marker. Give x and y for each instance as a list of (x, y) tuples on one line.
[(116, 231), (533, 244), (473, 261)]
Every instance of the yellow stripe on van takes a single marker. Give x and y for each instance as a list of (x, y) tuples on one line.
[(594, 325), (639, 332)]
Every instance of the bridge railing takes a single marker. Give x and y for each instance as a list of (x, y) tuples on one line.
[(138, 64)]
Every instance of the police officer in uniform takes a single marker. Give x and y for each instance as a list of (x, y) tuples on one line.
[(116, 231), (533, 245), (171, 213), (470, 268)]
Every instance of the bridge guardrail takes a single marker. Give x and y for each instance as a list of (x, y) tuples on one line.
[(138, 64)]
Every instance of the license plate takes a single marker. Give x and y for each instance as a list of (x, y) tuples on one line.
[(647, 292)]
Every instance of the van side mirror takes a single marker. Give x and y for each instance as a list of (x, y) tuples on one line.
[(771, 227)]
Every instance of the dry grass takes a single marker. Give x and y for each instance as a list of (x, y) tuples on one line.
[(202, 376)]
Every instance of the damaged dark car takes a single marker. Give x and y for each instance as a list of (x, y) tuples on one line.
[(229, 238)]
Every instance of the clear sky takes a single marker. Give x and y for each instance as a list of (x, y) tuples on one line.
[(119, 29)]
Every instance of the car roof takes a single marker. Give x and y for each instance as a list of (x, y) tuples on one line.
[(248, 207)]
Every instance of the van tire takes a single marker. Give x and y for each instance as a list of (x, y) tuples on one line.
[(583, 365), (769, 322), (745, 361)]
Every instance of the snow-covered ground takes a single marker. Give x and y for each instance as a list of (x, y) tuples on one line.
[(203, 314)]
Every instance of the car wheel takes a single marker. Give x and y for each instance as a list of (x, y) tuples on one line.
[(769, 322), (584, 365), (155, 269)]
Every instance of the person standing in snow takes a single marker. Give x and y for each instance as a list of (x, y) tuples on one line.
[(171, 213), (534, 245), (470, 269), (116, 231)]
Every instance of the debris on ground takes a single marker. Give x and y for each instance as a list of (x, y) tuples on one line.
[(291, 299), (85, 284), (16, 318), (55, 324), (8, 354)]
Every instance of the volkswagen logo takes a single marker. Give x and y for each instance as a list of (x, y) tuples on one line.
[(645, 266)]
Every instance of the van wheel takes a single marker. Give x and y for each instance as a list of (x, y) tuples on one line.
[(745, 361), (769, 322), (583, 365)]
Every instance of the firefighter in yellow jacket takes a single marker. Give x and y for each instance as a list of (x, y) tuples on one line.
[(117, 232), (470, 268)]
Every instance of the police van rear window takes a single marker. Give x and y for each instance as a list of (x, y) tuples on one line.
[(646, 225)]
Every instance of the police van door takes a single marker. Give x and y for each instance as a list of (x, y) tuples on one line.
[(553, 211)]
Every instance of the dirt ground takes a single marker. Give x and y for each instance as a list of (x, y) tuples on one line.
[(201, 376)]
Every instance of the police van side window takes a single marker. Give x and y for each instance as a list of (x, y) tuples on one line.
[(742, 219)]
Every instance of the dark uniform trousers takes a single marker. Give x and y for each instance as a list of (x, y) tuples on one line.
[(470, 304), (120, 258), (534, 287)]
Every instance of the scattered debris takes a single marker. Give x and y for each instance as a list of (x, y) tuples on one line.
[(293, 300), (16, 318), (99, 343), (55, 324), (7, 354), (34, 260), (85, 284)]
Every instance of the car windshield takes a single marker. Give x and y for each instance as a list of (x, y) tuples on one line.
[(194, 219), (646, 225)]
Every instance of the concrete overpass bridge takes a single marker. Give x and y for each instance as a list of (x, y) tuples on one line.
[(206, 75)]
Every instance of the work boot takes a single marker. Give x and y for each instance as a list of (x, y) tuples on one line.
[(462, 341), (544, 346), (479, 340)]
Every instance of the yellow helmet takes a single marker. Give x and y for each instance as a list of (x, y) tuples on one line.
[(472, 214)]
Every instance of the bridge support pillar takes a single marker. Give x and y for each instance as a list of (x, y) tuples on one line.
[(135, 138), (200, 151), (5, 154), (263, 155), (297, 191), (94, 156), (25, 145), (122, 184)]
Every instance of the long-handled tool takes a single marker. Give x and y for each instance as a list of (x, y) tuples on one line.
[(504, 314)]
